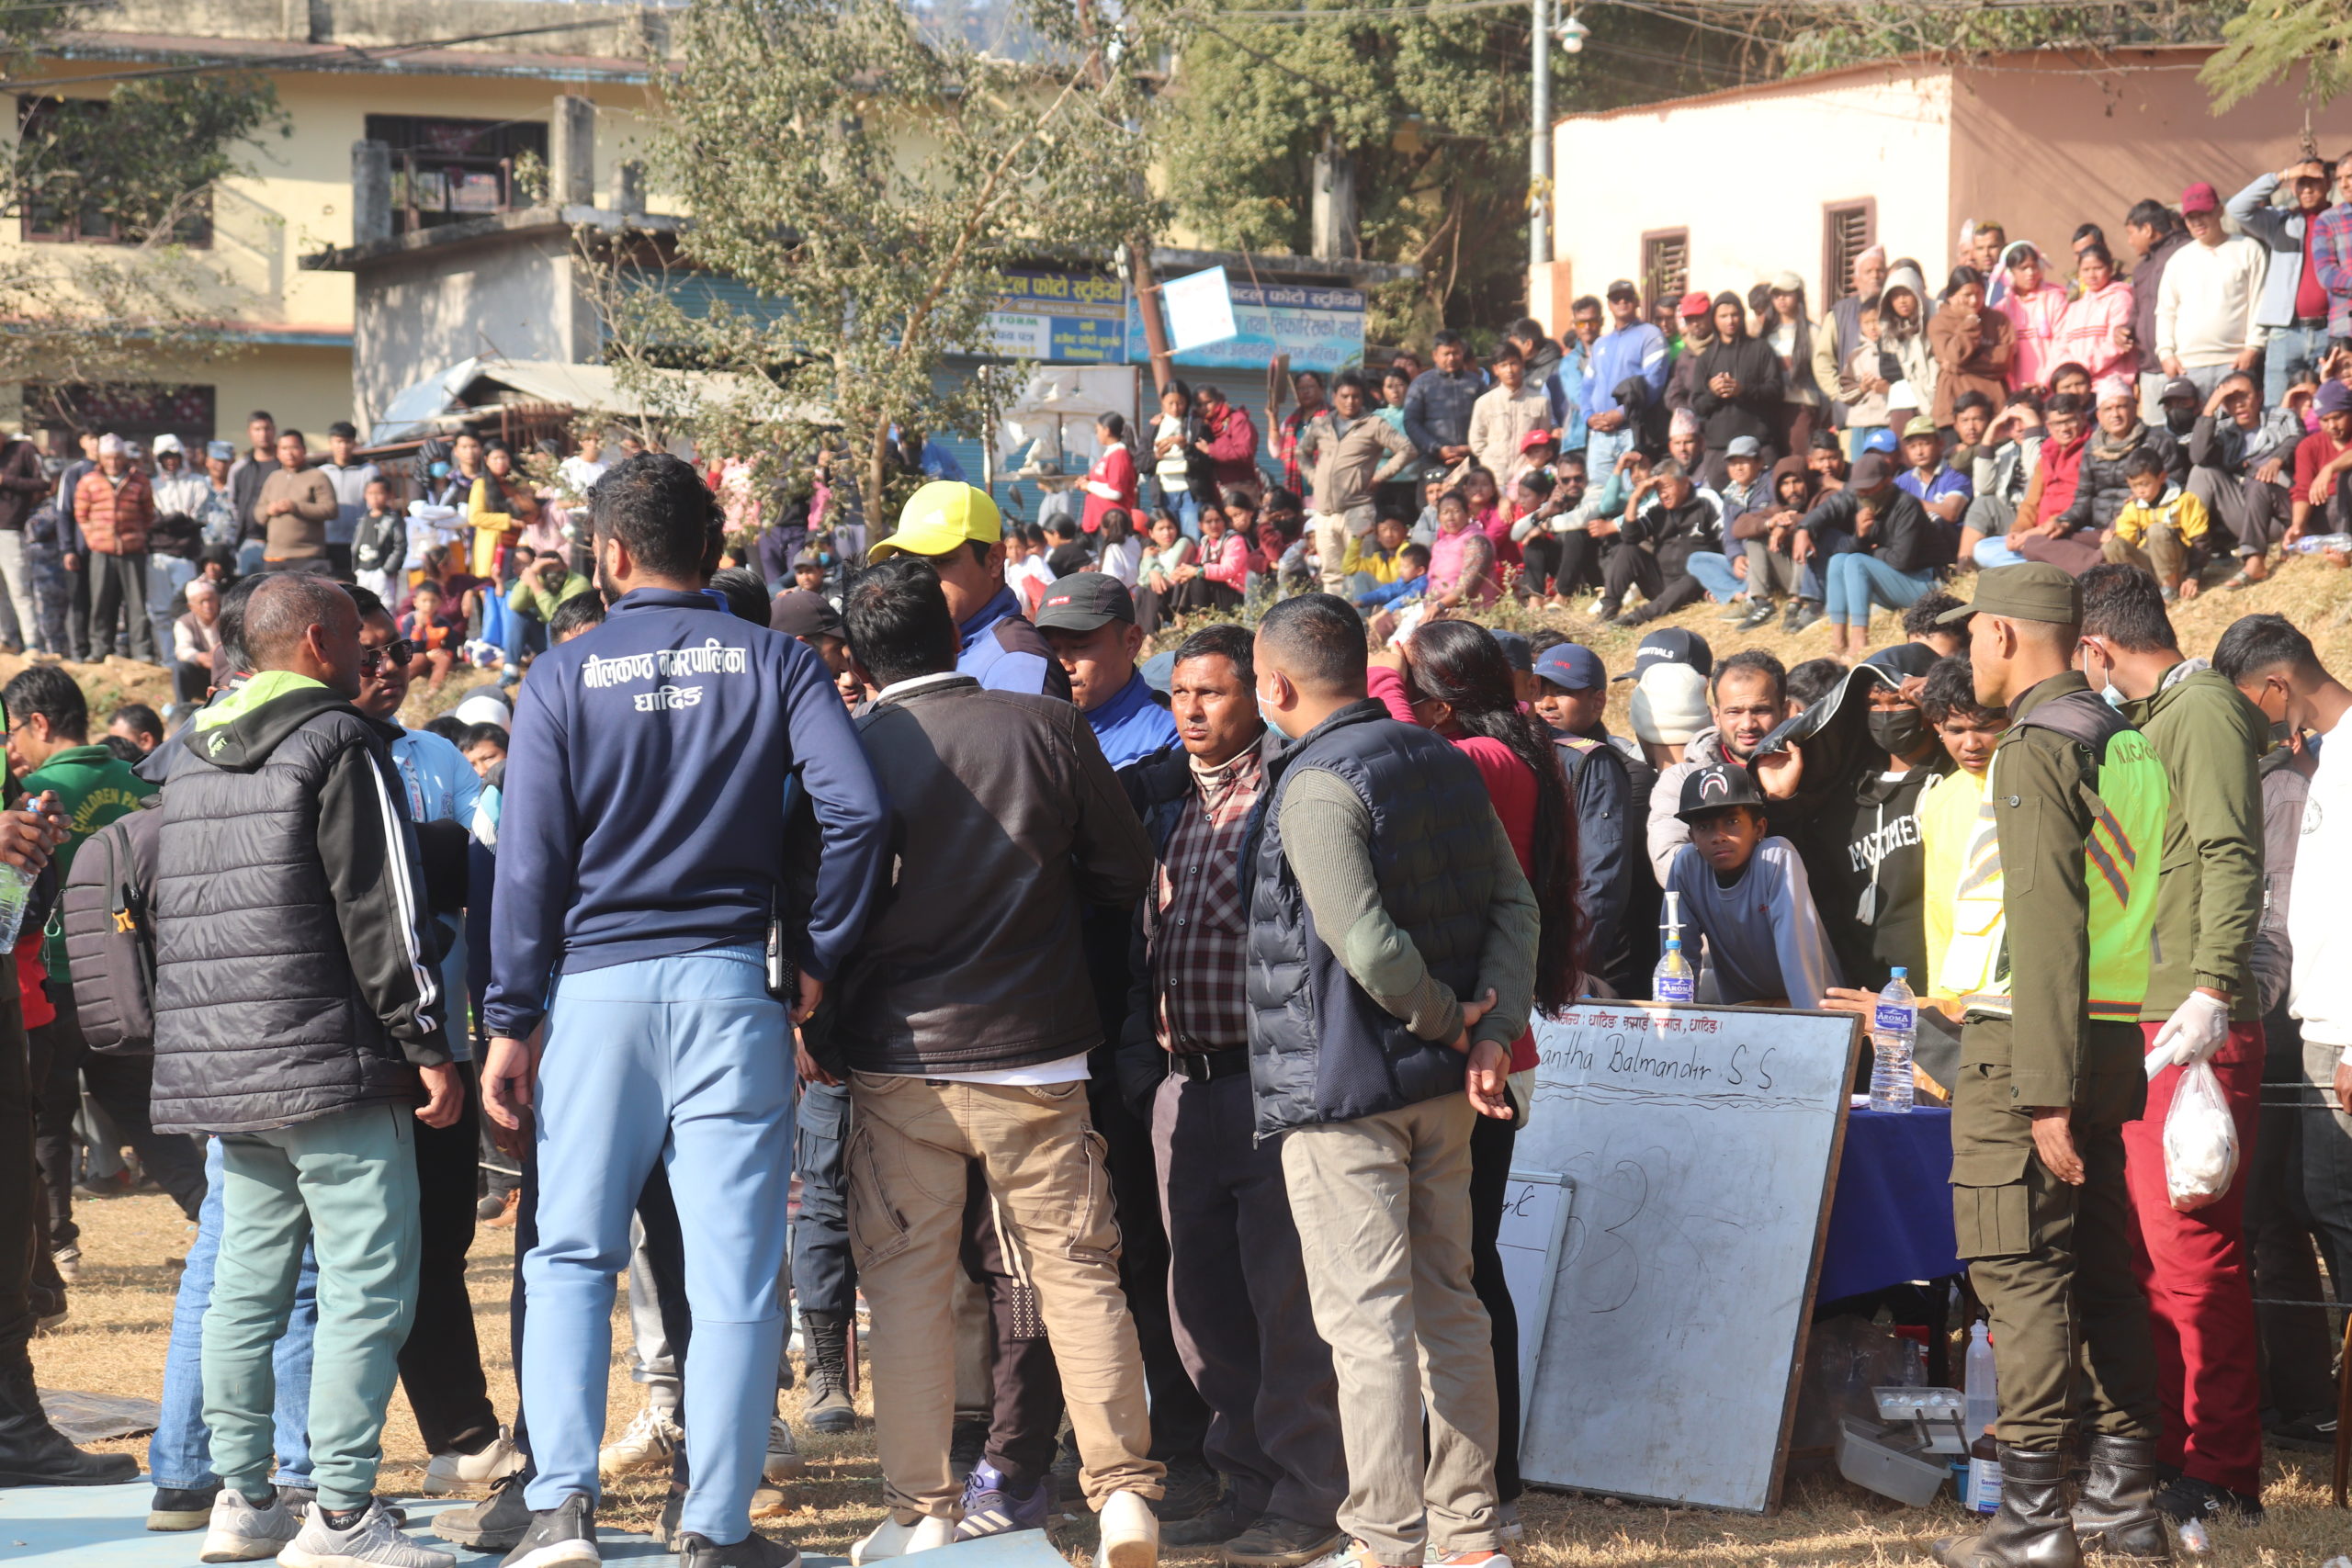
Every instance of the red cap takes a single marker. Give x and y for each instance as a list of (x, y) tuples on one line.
[(1534, 438), (2200, 197), (1693, 304)]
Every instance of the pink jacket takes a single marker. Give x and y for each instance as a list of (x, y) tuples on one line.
[(1445, 565), (2086, 332), (1231, 566), (2036, 316)]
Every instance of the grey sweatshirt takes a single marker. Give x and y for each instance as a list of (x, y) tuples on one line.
[(1764, 937)]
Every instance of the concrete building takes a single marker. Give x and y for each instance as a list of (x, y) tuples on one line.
[(1722, 190), (456, 94)]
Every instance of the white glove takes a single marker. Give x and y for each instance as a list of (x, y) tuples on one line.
[(2195, 1029)]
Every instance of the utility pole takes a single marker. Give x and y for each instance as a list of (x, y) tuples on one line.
[(1539, 145)]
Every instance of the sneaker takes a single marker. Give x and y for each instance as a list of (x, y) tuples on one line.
[(1130, 1532), (993, 1507), (183, 1508), (1189, 1490), (1215, 1528), (68, 1260), (238, 1532), (2188, 1498), (1759, 614), (755, 1550), (1803, 616), (494, 1525), (373, 1542), (891, 1538), (1471, 1558), (450, 1471), (488, 1206), (967, 1444), (1274, 1542), (2314, 1433), (783, 1460), (1737, 609), (565, 1533), (649, 1442)]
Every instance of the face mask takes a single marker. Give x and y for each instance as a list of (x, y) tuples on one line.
[(439, 470), (1266, 712), (1900, 731), (2112, 698)]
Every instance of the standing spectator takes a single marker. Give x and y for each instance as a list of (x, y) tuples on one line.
[(1696, 313), (1549, 372), (1630, 358), (1903, 322), (1839, 334), (379, 540), (1350, 453), (1088, 620), (2200, 1006), (2293, 308), (1281, 433), (943, 1002), (1227, 442), (2209, 305), (2036, 308), (1172, 460), (2331, 253), (1437, 409), (2095, 330), (2154, 232), (184, 493), (1975, 345), (1788, 331), (1381, 831), (1111, 483), (296, 504), (22, 486), (1736, 388), (958, 528), (1610, 786), (246, 477), (1264, 1371), (349, 480), (1505, 414), (113, 510), (644, 866), (284, 820), (499, 504)]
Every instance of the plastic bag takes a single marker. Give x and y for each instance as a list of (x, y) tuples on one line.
[(2200, 1140)]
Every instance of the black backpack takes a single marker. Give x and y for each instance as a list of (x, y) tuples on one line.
[(109, 938)]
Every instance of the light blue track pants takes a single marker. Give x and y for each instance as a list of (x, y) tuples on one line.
[(688, 1061)]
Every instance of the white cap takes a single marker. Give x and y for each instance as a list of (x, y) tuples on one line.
[(482, 707), (110, 445), (167, 442)]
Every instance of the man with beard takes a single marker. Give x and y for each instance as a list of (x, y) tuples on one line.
[(1747, 697)]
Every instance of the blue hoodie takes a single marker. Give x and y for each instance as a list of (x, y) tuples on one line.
[(645, 801), (1003, 652), (1133, 724)]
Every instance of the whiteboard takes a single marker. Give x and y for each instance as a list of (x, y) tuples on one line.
[(1536, 1224), (1704, 1144)]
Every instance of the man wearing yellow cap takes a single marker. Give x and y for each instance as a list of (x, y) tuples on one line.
[(959, 530)]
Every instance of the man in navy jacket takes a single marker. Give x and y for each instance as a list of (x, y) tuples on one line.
[(641, 861)]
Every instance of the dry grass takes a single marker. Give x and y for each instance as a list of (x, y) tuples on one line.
[(116, 1341)]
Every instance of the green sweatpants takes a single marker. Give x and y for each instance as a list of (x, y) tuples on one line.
[(347, 1182)]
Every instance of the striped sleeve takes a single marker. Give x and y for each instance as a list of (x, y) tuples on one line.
[(369, 850)]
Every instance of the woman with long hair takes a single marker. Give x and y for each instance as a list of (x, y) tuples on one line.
[(1452, 677), (1111, 483), (1121, 552), (2095, 330), (2036, 308), (1789, 330), (1973, 343)]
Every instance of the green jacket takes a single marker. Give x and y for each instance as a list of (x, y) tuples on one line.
[(2208, 896), (93, 786), (525, 598)]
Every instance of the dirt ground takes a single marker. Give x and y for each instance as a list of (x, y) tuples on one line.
[(115, 1341)]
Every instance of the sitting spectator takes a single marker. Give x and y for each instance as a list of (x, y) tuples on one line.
[(1219, 579), (544, 583), (1766, 536), (2161, 530), (1069, 553), (1811, 680), (194, 638), (429, 628), (1869, 543), (2057, 473), (1412, 581), (1374, 558), (1463, 570), (1119, 552), (1745, 894), (1941, 490), (1156, 578), (2321, 463), (379, 540), (1659, 547), (2241, 456), (2102, 490)]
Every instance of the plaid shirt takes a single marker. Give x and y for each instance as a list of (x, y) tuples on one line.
[(1199, 929), (2331, 255)]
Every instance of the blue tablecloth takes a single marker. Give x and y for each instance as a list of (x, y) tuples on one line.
[(1890, 1219)]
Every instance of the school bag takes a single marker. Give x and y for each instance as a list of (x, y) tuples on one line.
[(109, 938)]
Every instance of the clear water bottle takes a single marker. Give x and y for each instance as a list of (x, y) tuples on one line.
[(1673, 981), (2311, 544), (1983, 1403), (1894, 1025)]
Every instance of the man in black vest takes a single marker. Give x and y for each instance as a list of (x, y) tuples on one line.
[(1383, 892)]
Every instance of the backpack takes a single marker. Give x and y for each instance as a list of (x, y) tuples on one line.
[(109, 937)]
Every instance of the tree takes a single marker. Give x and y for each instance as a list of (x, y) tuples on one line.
[(136, 166), (2269, 42), (871, 178)]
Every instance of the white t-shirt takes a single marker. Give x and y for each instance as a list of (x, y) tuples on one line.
[(579, 473), (1171, 468), (2319, 989)]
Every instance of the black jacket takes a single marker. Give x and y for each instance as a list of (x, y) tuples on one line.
[(22, 484), (1005, 823), (1674, 536), (2102, 491), (294, 964), (1904, 537), (1754, 408)]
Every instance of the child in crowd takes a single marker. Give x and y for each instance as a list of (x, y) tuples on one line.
[(1386, 601), (1745, 893), (485, 747), (1863, 389), (429, 628), (1424, 529), (1920, 625), (2161, 529), (1955, 832), (1025, 571), (1068, 554), (1373, 559), (379, 540)]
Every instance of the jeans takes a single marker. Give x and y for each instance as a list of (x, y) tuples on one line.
[(1857, 580), (166, 575), (524, 635), (180, 1453), (24, 625), (1180, 499), (1602, 450), (2303, 344), (1715, 574), (1812, 573), (1990, 553)]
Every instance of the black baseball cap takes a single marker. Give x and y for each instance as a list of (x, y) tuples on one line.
[(1623, 289), (1083, 600), (1671, 645), (796, 611), (1716, 786)]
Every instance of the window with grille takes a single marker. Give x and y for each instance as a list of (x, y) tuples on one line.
[(60, 207), (446, 170), (1848, 228), (136, 411), (1666, 263)]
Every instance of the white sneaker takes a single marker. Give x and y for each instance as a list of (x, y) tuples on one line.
[(649, 1442), (784, 1459), (891, 1538), (239, 1532), (448, 1472), (373, 1542), (1130, 1532)]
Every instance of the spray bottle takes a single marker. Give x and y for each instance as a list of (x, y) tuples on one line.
[(1673, 981)]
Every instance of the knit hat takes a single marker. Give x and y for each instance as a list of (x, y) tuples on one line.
[(1670, 705)]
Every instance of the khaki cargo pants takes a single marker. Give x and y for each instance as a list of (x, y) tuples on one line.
[(2052, 1262), (910, 1139)]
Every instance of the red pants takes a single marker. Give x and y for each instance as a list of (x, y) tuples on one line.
[(2201, 1299)]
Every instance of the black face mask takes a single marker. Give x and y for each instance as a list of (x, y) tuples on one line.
[(1900, 731)]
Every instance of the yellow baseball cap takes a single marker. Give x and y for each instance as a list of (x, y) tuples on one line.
[(939, 517)]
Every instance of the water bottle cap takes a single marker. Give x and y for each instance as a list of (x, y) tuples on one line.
[(1900, 972), (1674, 944)]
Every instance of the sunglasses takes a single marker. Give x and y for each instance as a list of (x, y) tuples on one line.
[(395, 655)]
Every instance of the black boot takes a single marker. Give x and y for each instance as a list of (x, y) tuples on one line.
[(33, 1453), (2031, 1530), (826, 1337), (2116, 1510)]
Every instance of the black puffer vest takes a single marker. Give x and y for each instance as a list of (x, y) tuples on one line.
[(259, 1023), (1320, 1048)]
